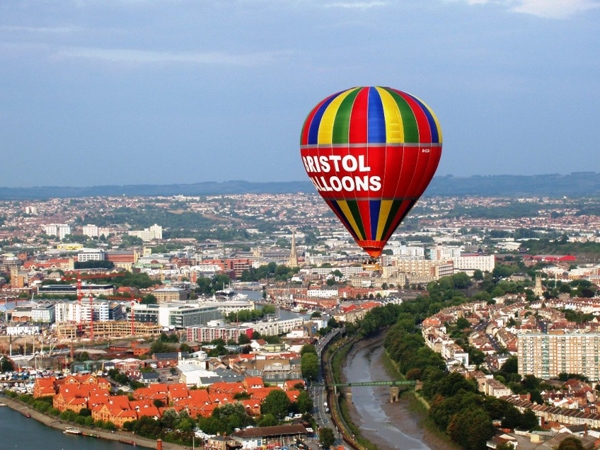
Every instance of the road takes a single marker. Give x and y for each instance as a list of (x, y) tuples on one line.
[(318, 392)]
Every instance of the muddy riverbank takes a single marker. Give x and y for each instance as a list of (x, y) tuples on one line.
[(390, 426)]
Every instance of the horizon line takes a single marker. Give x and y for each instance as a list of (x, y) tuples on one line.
[(281, 182)]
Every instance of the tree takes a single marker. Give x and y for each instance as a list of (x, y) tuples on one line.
[(309, 365), (140, 280), (185, 348), (511, 365), (570, 443), (149, 299), (326, 437), (268, 309), (565, 289), (6, 365), (505, 446), (268, 420), (94, 265), (225, 419), (413, 374), (308, 348), (529, 420), (471, 428), (304, 403), (461, 280), (462, 324), (512, 418), (159, 346), (276, 403)]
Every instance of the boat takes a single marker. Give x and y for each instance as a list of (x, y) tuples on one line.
[(27, 414), (72, 430), (2, 404), (230, 294)]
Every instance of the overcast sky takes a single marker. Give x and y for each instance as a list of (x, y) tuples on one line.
[(97, 92)]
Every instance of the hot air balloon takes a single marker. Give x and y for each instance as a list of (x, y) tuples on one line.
[(371, 152)]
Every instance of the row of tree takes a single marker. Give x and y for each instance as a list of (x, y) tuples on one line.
[(456, 407)]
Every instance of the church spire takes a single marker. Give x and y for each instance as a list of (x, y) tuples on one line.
[(293, 261)]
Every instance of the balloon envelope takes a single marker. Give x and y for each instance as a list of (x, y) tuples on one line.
[(371, 152)]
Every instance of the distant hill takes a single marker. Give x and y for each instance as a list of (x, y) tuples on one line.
[(579, 184)]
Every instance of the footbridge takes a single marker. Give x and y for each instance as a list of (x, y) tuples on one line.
[(394, 385), (369, 383)]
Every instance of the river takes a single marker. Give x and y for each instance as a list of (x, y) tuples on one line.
[(22, 433), (19, 432), (390, 426)]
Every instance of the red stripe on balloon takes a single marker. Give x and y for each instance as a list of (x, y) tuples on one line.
[(359, 118)]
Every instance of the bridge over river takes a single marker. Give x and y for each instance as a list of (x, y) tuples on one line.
[(393, 384)]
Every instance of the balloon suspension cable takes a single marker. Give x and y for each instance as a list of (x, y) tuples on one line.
[(373, 264)]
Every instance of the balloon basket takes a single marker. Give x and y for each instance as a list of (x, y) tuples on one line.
[(372, 264)]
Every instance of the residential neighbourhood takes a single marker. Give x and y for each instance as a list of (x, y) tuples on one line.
[(196, 320)]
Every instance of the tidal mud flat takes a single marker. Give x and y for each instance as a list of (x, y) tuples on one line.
[(390, 426)]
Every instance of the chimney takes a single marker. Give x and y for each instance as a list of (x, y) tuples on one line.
[(159, 444)]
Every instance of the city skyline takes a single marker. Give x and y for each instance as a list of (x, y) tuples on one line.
[(138, 92)]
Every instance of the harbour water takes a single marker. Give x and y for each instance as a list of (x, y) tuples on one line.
[(19, 432), (22, 433), (283, 314)]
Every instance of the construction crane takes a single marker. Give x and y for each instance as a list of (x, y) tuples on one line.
[(79, 331)]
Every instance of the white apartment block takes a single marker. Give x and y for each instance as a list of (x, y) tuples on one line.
[(419, 267), (81, 313), (105, 231), (418, 270), (209, 334), (148, 234), (205, 270), (90, 231), (444, 270), (59, 230), (347, 271), (275, 328), (91, 254), (322, 293), (233, 306), (43, 312), (22, 330), (444, 253), (469, 262), (547, 355), (408, 252)]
